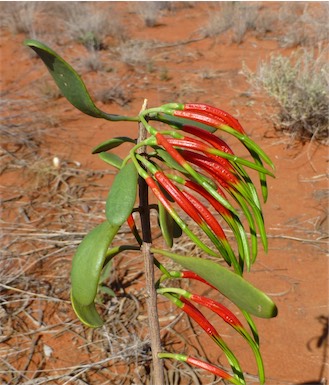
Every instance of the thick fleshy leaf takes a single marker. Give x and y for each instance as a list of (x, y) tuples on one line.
[(122, 196), (112, 159), (87, 314), (231, 285), (88, 262), (68, 81), (166, 223), (112, 143)]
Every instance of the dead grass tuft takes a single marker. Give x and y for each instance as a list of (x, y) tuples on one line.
[(90, 23), (234, 16), (297, 24), (305, 24), (134, 52), (299, 84), (151, 11), (20, 17)]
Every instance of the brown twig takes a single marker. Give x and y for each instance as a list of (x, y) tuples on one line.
[(151, 300)]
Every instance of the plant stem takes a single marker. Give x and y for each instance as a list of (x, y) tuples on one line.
[(151, 300)]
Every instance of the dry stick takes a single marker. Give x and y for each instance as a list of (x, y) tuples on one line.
[(151, 299)]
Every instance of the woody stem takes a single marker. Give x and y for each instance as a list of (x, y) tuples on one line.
[(151, 300)]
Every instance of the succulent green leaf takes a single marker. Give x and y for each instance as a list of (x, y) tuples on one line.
[(88, 262), (87, 314), (106, 290), (166, 223), (106, 271), (112, 159), (231, 285), (122, 196), (112, 143), (68, 80)]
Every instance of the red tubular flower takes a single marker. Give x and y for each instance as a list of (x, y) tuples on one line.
[(161, 197), (212, 369), (162, 141), (191, 275), (178, 196), (215, 204), (158, 193), (202, 365), (216, 112), (222, 175), (199, 318), (236, 227), (208, 119), (132, 225), (219, 309), (210, 138), (202, 321), (131, 222), (207, 216), (193, 144), (219, 240)]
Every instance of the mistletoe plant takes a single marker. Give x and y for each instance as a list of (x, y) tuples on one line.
[(193, 174)]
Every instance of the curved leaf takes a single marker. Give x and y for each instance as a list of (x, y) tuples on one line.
[(122, 196), (88, 262), (112, 159), (86, 314), (166, 223), (234, 287), (68, 81), (112, 143)]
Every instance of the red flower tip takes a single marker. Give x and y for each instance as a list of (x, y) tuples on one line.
[(219, 309), (210, 368), (216, 112), (178, 196), (207, 216), (222, 175), (198, 317), (210, 138)]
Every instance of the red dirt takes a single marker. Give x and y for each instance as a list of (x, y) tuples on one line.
[(295, 270)]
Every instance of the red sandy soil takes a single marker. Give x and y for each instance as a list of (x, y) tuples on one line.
[(294, 272)]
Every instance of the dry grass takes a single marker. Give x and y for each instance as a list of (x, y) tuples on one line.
[(134, 52), (20, 17), (305, 23), (299, 84), (89, 23), (150, 12), (297, 24), (235, 16)]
